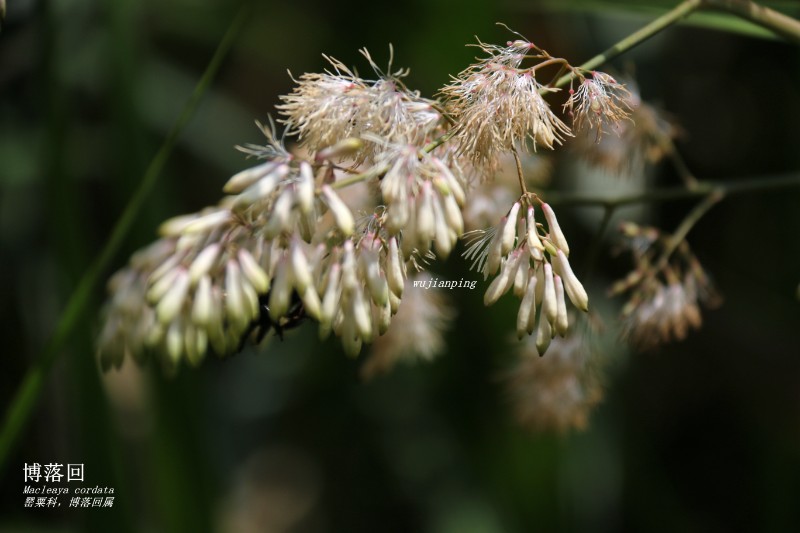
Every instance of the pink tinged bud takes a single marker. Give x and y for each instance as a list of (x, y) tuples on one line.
[(203, 263), (394, 270), (305, 188), (248, 177), (253, 272), (509, 230), (208, 222), (341, 213), (544, 333), (562, 320), (236, 307), (555, 230), (172, 301), (343, 148), (574, 288), (203, 306), (281, 293), (549, 301)]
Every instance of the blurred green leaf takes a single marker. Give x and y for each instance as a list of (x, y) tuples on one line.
[(710, 20)]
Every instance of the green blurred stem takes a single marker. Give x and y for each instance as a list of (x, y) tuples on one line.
[(665, 194), (31, 387), (667, 19), (687, 224), (782, 25)]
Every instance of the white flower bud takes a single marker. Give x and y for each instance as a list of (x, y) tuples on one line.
[(253, 272), (172, 301), (426, 223), (280, 216), (174, 342), (509, 230), (343, 148), (301, 272), (311, 302), (157, 290), (280, 294), (549, 301), (360, 310), (305, 188), (329, 301), (208, 222), (203, 263), (544, 333), (236, 307), (453, 215), (554, 229), (526, 308), (394, 270), (247, 177), (341, 213), (202, 308), (384, 317), (562, 320), (575, 291)]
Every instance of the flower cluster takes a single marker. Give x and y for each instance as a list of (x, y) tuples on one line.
[(600, 101), (288, 243), (644, 138), (536, 267), (326, 108), (665, 295), (498, 105)]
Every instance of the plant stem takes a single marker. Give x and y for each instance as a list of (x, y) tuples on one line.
[(703, 188), (780, 24), (22, 404), (521, 178), (686, 225), (667, 19)]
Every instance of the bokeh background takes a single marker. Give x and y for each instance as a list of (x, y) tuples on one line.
[(701, 435)]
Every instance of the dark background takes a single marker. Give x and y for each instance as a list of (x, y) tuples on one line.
[(701, 435)]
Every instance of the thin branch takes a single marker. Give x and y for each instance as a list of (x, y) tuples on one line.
[(780, 24), (686, 225), (665, 194)]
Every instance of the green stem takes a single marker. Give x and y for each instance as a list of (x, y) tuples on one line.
[(667, 19), (702, 188), (29, 390), (780, 24), (686, 225)]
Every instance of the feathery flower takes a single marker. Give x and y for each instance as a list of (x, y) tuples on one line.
[(599, 102), (664, 303), (557, 392), (498, 106), (324, 109)]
